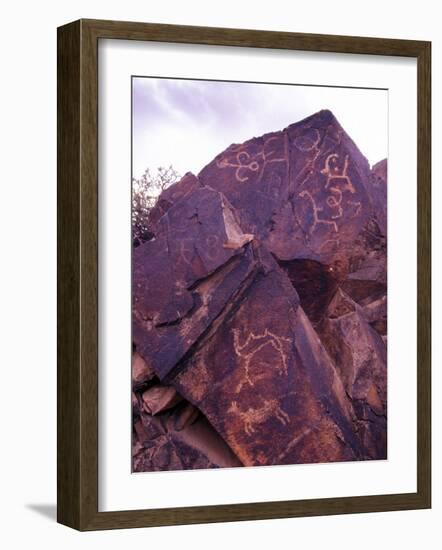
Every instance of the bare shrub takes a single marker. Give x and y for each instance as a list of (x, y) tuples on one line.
[(145, 193)]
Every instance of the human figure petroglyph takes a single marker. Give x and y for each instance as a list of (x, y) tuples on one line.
[(334, 172), (252, 417), (341, 183), (316, 219), (245, 163), (253, 344)]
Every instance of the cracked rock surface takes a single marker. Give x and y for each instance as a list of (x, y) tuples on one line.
[(260, 308)]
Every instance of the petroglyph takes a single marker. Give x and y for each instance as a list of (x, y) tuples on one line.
[(212, 250), (334, 172), (316, 219), (253, 417), (358, 207), (245, 164), (266, 153), (334, 244), (254, 343), (308, 141), (186, 250), (341, 183), (242, 163), (334, 202), (294, 443)]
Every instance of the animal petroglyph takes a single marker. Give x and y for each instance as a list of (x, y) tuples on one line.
[(316, 219), (245, 164), (253, 417), (254, 343)]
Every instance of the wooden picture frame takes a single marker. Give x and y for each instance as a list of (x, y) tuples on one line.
[(77, 387)]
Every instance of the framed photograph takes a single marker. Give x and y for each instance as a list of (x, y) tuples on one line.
[(243, 274)]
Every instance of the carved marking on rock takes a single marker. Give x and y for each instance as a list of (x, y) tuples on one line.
[(186, 254), (266, 154), (339, 176), (211, 247), (304, 143), (253, 417), (333, 172), (334, 202), (247, 349), (316, 219), (325, 244), (294, 443), (244, 163), (358, 208)]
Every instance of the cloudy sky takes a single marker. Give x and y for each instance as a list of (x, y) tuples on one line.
[(186, 123)]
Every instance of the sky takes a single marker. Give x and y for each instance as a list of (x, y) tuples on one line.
[(186, 123)]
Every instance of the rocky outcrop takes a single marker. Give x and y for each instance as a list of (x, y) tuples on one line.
[(359, 354), (259, 308), (185, 276), (265, 382), (309, 187), (177, 439)]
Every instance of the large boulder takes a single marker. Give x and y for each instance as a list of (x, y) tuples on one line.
[(259, 305), (185, 276), (265, 382), (303, 191), (202, 321), (177, 439), (360, 356)]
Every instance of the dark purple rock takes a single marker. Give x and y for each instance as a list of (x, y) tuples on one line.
[(360, 356), (262, 300), (175, 440), (184, 277), (302, 191), (263, 379)]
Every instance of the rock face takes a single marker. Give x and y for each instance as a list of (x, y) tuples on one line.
[(184, 277), (359, 354), (178, 439), (265, 382), (259, 308), (308, 185)]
